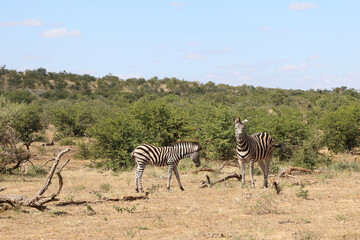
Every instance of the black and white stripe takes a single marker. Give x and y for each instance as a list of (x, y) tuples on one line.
[(164, 156), (255, 148)]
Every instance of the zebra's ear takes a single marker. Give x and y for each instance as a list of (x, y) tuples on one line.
[(245, 121), (236, 119)]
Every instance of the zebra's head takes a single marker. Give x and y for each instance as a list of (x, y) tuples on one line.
[(195, 156), (239, 127)]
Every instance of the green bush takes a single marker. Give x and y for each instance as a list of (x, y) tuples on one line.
[(341, 128), (212, 125), (307, 155), (73, 119), (162, 120), (20, 96), (67, 142), (116, 137), (36, 171)]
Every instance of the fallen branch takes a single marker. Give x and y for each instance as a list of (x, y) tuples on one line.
[(105, 199), (204, 170), (289, 171), (39, 200), (210, 183)]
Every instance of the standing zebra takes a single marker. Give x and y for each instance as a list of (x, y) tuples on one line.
[(162, 156), (255, 148)]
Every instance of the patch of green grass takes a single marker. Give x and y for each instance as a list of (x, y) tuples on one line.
[(67, 142), (304, 220), (143, 228), (36, 171), (265, 204), (340, 217), (305, 235), (154, 188), (105, 187), (346, 166), (83, 151), (42, 150), (58, 213), (89, 209), (302, 193), (78, 188), (125, 209), (70, 198)]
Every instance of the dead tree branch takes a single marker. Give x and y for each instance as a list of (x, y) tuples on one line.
[(39, 200), (295, 169), (210, 183), (105, 199)]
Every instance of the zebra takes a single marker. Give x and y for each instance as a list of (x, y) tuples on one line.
[(162, 156), (255, 148)]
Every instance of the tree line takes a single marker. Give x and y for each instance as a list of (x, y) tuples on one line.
[(118, 114)]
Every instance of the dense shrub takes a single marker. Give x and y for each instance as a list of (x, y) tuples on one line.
[(162, 120), (341, 128), (116, 137)]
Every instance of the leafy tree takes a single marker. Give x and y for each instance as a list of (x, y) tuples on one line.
[(20, 96), (341, 128), (163, 121), (28, 122), (73, 119), (116, 137), (212, 125)]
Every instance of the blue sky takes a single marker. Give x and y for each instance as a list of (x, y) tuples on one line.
[(276, 44)]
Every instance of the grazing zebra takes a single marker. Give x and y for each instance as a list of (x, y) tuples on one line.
[(162, 156), (255, 148)]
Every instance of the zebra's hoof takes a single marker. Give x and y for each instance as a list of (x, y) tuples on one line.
[(182, 189), (137, 190)]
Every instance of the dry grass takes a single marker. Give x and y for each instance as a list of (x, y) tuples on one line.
[(330, 210)]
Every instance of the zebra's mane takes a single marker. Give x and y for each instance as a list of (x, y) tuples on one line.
[(177, 144)]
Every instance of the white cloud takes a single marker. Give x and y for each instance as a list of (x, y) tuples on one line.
[(60, 32), (300, 6), (293, 67), (26, 22), (177, 4), (195, 56)]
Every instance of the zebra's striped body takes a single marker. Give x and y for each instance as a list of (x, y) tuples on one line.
[(164, 156), (255, 148)]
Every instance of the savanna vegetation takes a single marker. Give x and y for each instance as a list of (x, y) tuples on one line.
[(118, 114)]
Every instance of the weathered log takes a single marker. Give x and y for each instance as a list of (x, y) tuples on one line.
[(210, 183), (39, 200), (204, 170), (288, 172), (299, 169)]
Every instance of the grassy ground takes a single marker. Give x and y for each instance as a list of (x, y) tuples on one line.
[(323, 205)]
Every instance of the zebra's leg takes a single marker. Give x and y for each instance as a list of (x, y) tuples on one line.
[(242, 165), (178, 178), (262, 166), (136, 180), (170, 170), (251, 172), (138, 175), (267, 168)]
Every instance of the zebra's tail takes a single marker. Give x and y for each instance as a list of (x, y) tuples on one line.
[(133, 154)]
